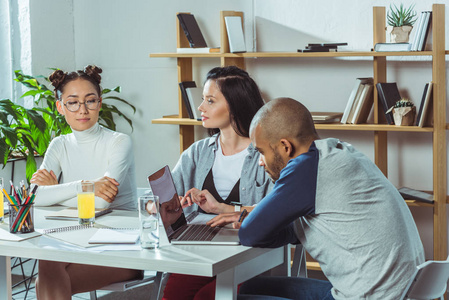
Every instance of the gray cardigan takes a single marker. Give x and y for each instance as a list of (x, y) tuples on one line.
[(196, 162)]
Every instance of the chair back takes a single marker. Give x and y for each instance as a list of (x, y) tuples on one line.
[(429, 281)]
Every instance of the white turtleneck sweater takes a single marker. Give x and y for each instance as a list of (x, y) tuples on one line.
[(89, 155)]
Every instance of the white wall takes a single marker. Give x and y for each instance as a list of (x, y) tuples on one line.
[(119, 35)]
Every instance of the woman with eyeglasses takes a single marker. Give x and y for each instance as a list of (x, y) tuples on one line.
[(90, 152)]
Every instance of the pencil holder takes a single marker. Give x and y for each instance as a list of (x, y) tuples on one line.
[(21, 218)]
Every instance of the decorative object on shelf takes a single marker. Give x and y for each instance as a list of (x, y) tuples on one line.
[(400, 21), (404, 112), (27, 132)]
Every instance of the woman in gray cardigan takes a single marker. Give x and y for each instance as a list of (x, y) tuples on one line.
[(220, 174)]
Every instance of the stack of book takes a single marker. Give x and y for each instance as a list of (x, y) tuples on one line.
[(326, 117), (359, 103), (322, 47), (422, 31)]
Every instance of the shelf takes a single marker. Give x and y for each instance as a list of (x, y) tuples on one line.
[(295, 54), (313, 265), (418, 203), (174, 120)]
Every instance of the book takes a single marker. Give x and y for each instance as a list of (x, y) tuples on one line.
[(388, 95), (324, 49), (327, 44), (384, 47), (326, 117), (198, 50), (71, 214), (183, 87), (365, 104), (412, 194), (355, 104), (115, 236), (355, 92), (418, 30), (195, 95), (425, 30), (234, 30), (423, 111), (192, 30), (192, 97)]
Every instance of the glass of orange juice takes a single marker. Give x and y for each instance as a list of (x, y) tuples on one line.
[(86, 203)]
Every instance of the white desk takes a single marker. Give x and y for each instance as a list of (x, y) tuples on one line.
[(231, 264)]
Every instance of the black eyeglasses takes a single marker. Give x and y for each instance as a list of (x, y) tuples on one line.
[(74, 106)]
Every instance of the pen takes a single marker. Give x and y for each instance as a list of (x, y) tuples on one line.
[(242, 215)]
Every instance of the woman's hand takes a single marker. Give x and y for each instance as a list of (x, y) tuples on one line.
[(106, 188), (205, 200), (43, 177)]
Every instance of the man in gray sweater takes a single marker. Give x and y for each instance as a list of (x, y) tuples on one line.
[(337, 203)]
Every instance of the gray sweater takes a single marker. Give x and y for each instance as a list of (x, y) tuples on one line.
[(348, 216), (196, 162)]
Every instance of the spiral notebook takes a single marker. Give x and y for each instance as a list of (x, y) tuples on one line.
[(89, 235), (71, 213)]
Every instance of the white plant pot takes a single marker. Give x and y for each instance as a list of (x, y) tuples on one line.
[(399, 34)]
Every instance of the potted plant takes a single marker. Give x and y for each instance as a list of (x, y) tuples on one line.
[(27, 132), (400, 21), (404, 112)]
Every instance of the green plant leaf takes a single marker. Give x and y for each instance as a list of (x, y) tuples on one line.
[(30, 166), (4, 151), (121, 100), (7, 106), (37, 119), (10, 134)]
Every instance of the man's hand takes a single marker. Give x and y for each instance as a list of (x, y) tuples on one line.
[(43, 177), (106, 188), (224, 219)]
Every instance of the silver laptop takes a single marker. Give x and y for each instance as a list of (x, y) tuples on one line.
[(175, 226)]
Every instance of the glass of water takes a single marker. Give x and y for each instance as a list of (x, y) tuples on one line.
[(149, 221)]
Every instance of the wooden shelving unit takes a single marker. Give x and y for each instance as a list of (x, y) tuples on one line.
[(379, 129)]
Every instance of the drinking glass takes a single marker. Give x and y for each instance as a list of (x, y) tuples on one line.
[(86, 203), (149, 221)]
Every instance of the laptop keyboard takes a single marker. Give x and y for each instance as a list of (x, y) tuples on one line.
[(199, 233)]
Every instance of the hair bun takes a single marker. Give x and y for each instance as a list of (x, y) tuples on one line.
[(93, 72), (56, 78)]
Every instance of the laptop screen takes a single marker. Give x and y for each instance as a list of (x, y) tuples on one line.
[(172, 215)]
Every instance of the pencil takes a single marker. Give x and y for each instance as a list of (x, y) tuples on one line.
[(10, 200), (242, 215)]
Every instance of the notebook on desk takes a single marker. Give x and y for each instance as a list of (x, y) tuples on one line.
[(175, 225)]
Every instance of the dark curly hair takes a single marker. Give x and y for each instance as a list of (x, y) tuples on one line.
[(242, 94), (60, 78)]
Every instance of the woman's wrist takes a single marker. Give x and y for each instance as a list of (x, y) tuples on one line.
[(224, 208)]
